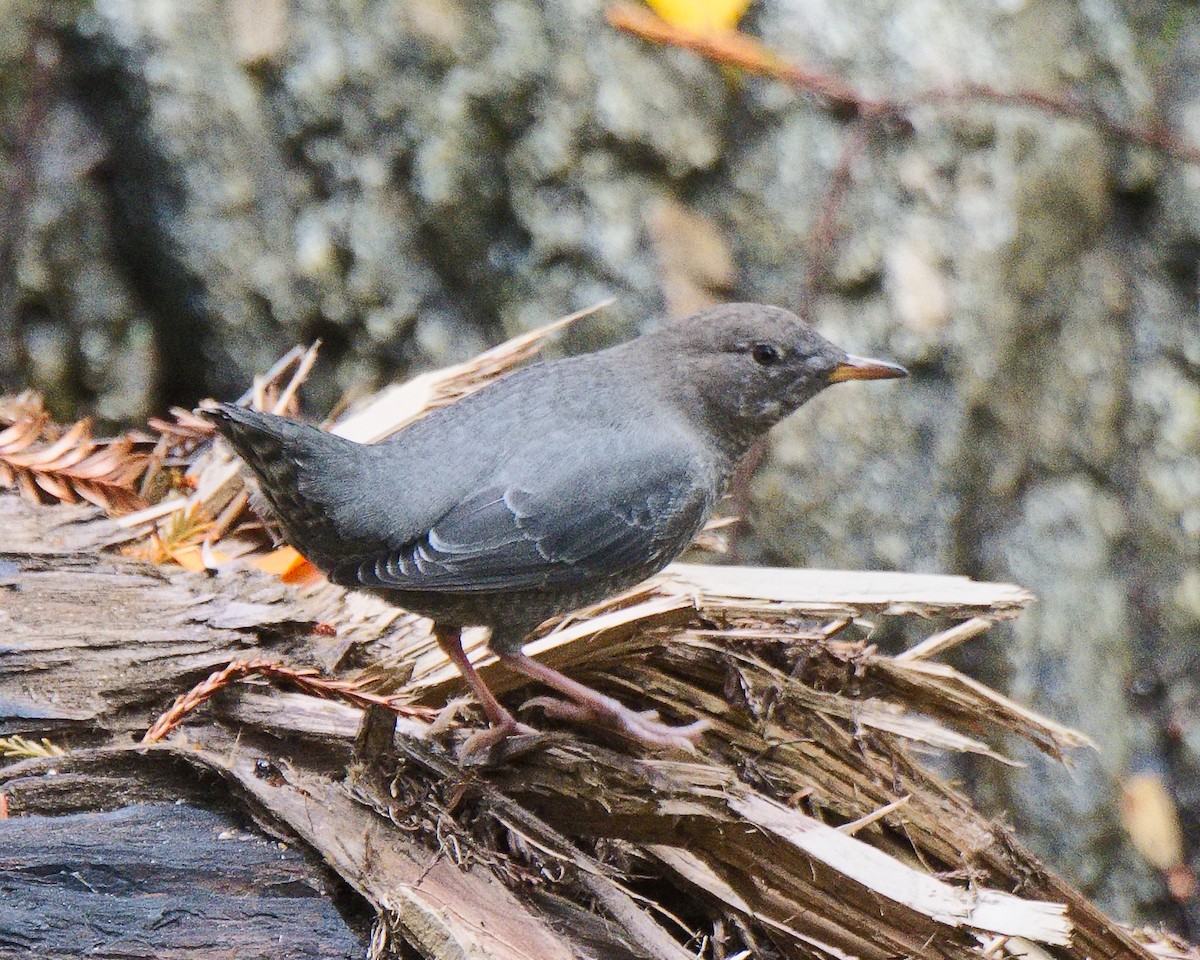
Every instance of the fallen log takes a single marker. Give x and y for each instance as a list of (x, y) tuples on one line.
[(804, 826)]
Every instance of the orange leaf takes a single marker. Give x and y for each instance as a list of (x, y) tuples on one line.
[(278, 562), (289, 565)]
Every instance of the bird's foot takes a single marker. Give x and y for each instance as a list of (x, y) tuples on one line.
[(590, 706), (583, 704), (641, 726)]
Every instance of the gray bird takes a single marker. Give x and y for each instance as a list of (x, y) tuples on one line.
[(549, 489)]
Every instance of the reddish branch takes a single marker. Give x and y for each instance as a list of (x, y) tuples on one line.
[(70, 468), (735, 49), (309, 681), (1155, 136), (822, 237), (746, 53)]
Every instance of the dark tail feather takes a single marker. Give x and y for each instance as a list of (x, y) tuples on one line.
[(298, 468), (266, 442)]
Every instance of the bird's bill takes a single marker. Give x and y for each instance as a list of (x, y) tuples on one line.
[(862, 368)]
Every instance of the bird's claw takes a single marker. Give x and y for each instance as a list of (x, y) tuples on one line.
[(479, 746)]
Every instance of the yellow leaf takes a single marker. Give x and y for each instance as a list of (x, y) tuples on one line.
[(1152, 820), (701, 16)]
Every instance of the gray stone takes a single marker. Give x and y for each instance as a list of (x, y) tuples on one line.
[(413, 179)]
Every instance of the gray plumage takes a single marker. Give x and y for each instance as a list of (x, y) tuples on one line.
[(554, 486)]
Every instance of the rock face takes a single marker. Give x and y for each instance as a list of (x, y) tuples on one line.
[(192, 186)]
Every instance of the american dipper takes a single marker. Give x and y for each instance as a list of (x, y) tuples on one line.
[(549, 489)]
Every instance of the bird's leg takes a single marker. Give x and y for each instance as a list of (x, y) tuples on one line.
[(450, 640), (591, 705)]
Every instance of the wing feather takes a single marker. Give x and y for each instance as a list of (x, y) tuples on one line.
[(554, 528)]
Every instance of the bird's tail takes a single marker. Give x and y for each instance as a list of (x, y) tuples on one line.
[(305, 475)]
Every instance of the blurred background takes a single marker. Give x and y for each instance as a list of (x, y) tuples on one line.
[(189, 187)]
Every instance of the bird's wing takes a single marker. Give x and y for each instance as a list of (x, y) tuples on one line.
[(557, 523)]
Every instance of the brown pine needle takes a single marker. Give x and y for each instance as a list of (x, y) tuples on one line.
[(72, 467), (307, 680)]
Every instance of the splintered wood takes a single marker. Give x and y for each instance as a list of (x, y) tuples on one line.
[(812, 729)]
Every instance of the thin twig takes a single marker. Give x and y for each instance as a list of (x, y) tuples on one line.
[(303, 368), (746, 53), (228, 516), (278, 369), (995, 946), (1156, 136), (822, 238)]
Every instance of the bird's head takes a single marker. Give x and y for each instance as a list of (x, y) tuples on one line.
[(751, 365)]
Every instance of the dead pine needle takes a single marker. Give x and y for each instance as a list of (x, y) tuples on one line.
[(70, 468), (308, 681), (18, 747)]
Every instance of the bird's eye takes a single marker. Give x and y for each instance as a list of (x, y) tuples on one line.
[(765, 355)]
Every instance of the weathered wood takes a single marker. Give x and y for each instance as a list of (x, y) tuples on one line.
[(163, 880), (504, 859), (98, 644)]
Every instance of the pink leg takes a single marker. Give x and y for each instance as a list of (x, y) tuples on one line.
[(450, 640), (591, 705)]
